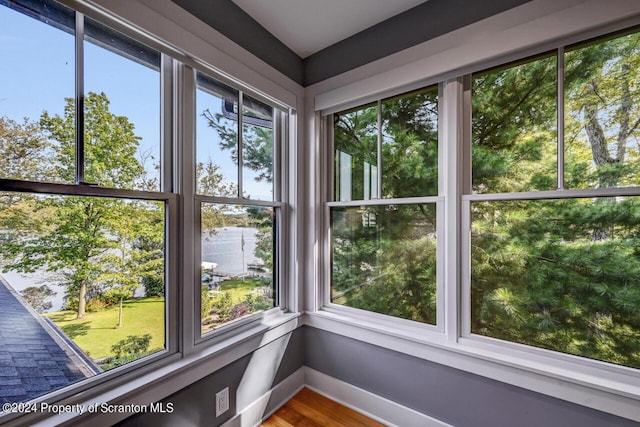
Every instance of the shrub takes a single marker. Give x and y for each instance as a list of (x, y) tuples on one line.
[(132, 347)]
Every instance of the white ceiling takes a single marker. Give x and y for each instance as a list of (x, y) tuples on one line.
[(307, 26)]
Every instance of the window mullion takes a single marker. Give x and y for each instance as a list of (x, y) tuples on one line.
[(79, 125), (451, 133), (560, 124), (185, 94), (279, 125), (240, 144), (167, 169), (379, 165)]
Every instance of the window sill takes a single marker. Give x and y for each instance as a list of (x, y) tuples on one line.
[(163, 378), (600, 386)]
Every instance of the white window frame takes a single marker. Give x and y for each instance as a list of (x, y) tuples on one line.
[(184, 347), (82, 189), (437, 200), (600, 385), (192, 198)]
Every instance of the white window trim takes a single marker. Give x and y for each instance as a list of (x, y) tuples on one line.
[(279, 204), (438, 201), (598, 385)]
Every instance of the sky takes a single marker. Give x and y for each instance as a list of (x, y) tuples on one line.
[(37, 74)]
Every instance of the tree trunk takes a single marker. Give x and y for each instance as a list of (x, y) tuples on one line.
[(625, 111), (120, 314), (82, 299), (597, 138)]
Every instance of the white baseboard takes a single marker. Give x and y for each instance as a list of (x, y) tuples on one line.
[(367, 403), (378, 408), (256, 412)]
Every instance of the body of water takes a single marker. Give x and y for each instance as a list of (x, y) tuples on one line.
[(223, 247)]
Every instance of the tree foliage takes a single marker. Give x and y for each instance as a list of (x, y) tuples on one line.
[(558, 274), (90, 242), (384, 257), (564, 274), (37, 296)]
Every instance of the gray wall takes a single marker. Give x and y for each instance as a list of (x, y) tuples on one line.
[(459, 398), (416, 25), (194, 405), (230, 20), (456, 397)]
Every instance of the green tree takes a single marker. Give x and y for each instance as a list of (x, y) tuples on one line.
[(560, 274), (257, 141), (36, 297), (384, 257), (23, 149), (77, 236)]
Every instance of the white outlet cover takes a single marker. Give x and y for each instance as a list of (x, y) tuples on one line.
[(222, 401)]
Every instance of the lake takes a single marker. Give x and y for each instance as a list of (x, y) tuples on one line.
[(223, 247)]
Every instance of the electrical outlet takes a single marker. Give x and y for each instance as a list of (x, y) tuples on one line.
[(222, 401)]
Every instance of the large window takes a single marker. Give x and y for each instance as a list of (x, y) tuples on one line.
[(94, 126), (541, 218), (383, 217), (83, 223), (559, 269), (238, 204)]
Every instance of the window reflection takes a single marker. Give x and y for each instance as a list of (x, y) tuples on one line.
[(356, 154), (384, 260)]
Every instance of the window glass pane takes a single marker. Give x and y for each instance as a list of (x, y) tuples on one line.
[(34, 38), (237, 263), (559, 274), (602, 96), (81, 290), (122, 110), (384, 260), (257, 150), (514, 136), (216, 138), (410, 144), (356, 154)]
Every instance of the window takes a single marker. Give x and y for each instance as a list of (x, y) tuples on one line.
[(384, 215), (97, 222), (83, 221), (546, 247), (559, 269), (239, 206), (91, 190)]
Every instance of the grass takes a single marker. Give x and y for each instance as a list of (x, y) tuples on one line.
[(97, 331), (239, 288)]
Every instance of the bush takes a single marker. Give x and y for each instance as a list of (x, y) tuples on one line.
[(71, 304), (127, 350), (223, 307), (132, 347), (205, 302), (153, 287), (238, 311), (259, 302), (96, 304)]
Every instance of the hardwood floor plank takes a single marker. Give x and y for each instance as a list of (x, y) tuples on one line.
[(276, 421), (310, 409)]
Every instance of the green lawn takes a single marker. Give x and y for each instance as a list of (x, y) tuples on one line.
[(239, 288), (97, 331)]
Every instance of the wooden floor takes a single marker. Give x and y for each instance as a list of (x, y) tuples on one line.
[(310, 409)]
